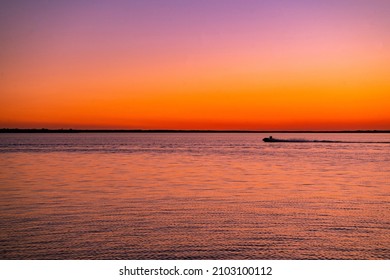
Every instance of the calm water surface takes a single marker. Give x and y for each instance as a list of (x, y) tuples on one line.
[(194, 196)]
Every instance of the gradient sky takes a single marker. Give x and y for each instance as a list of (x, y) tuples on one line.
[(272, 64)]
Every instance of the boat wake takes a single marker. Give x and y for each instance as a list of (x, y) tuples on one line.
[(277, 140)]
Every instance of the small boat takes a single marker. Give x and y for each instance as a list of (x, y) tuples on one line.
[(270, 139)]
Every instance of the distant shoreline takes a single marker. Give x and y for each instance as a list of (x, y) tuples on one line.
[(45, 130)]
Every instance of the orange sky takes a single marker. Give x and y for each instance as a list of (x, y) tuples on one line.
[(254, 66)]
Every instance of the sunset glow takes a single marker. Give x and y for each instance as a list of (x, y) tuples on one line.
[(256, 65)]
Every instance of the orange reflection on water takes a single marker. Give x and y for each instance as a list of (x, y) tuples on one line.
[(196, 197)]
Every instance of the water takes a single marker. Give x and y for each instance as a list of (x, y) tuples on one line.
[(194, 196)]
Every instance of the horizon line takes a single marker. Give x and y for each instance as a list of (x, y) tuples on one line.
[(71, 130)]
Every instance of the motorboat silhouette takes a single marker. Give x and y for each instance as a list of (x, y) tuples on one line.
[(271, 139)]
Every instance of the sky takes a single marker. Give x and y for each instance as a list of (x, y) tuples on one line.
[(183, 64)]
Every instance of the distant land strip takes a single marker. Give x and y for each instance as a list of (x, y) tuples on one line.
[(45, 130)]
